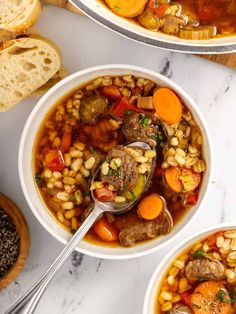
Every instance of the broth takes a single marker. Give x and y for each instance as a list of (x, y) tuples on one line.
[(65, 190)]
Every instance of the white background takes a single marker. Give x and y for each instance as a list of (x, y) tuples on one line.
[(88, 285)]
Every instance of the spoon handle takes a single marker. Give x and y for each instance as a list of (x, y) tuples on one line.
[(28, 303)]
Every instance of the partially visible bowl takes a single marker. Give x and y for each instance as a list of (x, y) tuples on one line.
[(102, 15), (28, 139), (157, 277)]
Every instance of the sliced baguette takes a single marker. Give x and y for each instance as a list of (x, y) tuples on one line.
[(17, 16), (61, 74), (26, 64)]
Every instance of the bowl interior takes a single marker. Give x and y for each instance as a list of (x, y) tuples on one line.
[(104, 16), (27, 142), (155, 282)]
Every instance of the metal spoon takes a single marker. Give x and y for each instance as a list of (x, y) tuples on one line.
[(27, 304)]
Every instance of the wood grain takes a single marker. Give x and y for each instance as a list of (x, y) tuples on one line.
[(22, 229), (228, 60), (65, 4)]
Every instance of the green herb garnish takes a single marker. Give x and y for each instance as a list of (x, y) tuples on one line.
[(133, 196), (92, 149), (223, 296), (117, 9), (232, 295), (39, 180), (201, 279), (143, 121), (198, 253), (193, 305), (128, 112)]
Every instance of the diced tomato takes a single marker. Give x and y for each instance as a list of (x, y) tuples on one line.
[(66, 140), (104, 195), (123, 106), (192, 199), (105, 230), (152, 5), (111, 92), (54, 159), (186, 298)]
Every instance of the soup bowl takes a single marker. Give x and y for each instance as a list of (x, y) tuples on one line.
[(157, 277), (26, 160), (105, 17)]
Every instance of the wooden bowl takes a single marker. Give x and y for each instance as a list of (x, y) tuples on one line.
[(22, 229)]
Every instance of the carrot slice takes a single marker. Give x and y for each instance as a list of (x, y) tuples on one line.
[(167, 105), (150, 207), (106, 231), (111, 92), (127, 8), (172, 175), (211, 297)]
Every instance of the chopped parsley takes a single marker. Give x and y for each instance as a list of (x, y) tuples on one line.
[(200, 278), (193, 305), (39, 180), (128, 112), (133, 196), (117, 8), (198, 253), (143, 121), (223, 296), (92, 149)]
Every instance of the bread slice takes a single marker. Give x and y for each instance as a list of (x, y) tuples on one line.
[(16, 16), (26, 64), (61, 74)]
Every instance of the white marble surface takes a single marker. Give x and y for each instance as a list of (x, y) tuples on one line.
[(88, 285)]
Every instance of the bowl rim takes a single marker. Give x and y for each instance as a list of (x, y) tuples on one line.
[(165, 263), (177, 47), (71, 77)]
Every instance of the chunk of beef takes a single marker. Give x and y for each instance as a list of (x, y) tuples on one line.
[(204, 268), (141, 127), (144, 230), (92, 107), (126, 176), (181, 309)]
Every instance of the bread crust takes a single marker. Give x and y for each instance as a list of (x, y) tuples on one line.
[(17, 25)]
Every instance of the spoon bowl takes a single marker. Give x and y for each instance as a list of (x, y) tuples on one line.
[(116, 208)]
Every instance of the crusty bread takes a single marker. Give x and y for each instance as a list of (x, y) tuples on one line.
[(17, 16), (26, 64), (61, 73)]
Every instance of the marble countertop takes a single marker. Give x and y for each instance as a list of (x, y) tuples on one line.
[(88, 285)]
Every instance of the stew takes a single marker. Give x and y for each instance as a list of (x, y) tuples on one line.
[(88, 128), (187, 19), (202, 279)]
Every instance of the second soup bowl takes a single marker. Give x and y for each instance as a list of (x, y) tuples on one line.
[(27, 166)]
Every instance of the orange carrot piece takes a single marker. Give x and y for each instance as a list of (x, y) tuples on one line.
[(127, 8), (106, 231), (162, 10), (172, 175), (150, 207), (204, 299), (167, 105), (111, 92), (211, 241)]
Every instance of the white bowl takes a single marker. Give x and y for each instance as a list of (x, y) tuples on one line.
[(155, 282), (104, 16), (25, 159)]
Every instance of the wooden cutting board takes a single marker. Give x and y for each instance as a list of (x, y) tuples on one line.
[(224, 59)]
